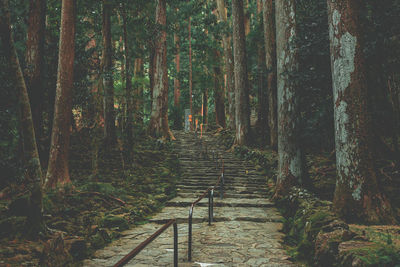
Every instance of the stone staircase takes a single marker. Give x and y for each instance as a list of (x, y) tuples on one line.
[(245, 231)]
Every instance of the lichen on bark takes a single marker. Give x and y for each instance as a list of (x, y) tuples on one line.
[(357, 196), (290, 170)]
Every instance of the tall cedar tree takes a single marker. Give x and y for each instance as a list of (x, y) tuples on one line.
[(219, 94), (357, 196), (290, 170), (205, 107), (262, 120), (108, 85), (158, 125), (228, 57), (190, 71), (58, 172), (33, 72), (128, 83), (177, 83), (33, 171), (242, 108), (138, 74), (270, 62)]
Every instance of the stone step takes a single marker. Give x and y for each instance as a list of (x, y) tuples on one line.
[(227, 188), (226, 195), (226, 202), (200, 214), (231, 182)]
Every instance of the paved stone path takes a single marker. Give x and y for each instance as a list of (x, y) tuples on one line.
[(246, 225)]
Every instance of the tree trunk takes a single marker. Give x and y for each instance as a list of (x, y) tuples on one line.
[(262, 120), (247, 22), (159, 115), (290, 170), (219, 94), (108, 85), (205, 107), (228, 57), (128, 83), (270, 62), (357, 195), (190, 73), (242, 108), (34, 64), (151, 72), (177, 83), (58, 172), (33, 171), (394, 95), (138, 74)]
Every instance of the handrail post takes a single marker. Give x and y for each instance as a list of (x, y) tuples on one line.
[(190, 234), (212, 206), (175, 244), (209, 208), (222, 185)]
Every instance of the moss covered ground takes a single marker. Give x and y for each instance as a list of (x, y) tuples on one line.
[(89, 213)]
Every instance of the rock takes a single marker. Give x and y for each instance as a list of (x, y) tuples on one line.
[(348, 252), (161, 197), (111, 221), (100, 239), (336, 224), (76, 247), (326, 246)]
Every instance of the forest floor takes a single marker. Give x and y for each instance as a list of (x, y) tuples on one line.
[(95, 208), (314, 235)]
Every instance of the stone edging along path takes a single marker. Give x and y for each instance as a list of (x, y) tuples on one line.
[(246, 227)]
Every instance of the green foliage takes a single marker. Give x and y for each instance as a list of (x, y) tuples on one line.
[(117, 222), (379, 255), (104, 188)]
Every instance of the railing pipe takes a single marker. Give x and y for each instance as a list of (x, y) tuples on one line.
[(190, 233), (142, 245)]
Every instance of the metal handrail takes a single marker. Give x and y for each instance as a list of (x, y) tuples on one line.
[(210, 192), (142, 245)]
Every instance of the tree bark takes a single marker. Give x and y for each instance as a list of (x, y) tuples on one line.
[(270, 62), (228, 57), (394, 95), (357, 195), (159, 115), (242, 107), (247, 22), (205, 107), (108, 85), (151, 71), (290, 170), (262, 120), (190, 73), (219, 94), (177, 83), (58, 171), (33, 170), (128, 83), (138, 74), (34, 64)]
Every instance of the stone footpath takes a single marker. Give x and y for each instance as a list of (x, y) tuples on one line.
[(245, 231)]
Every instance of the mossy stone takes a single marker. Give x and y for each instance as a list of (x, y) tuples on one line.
[(111, 221)]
